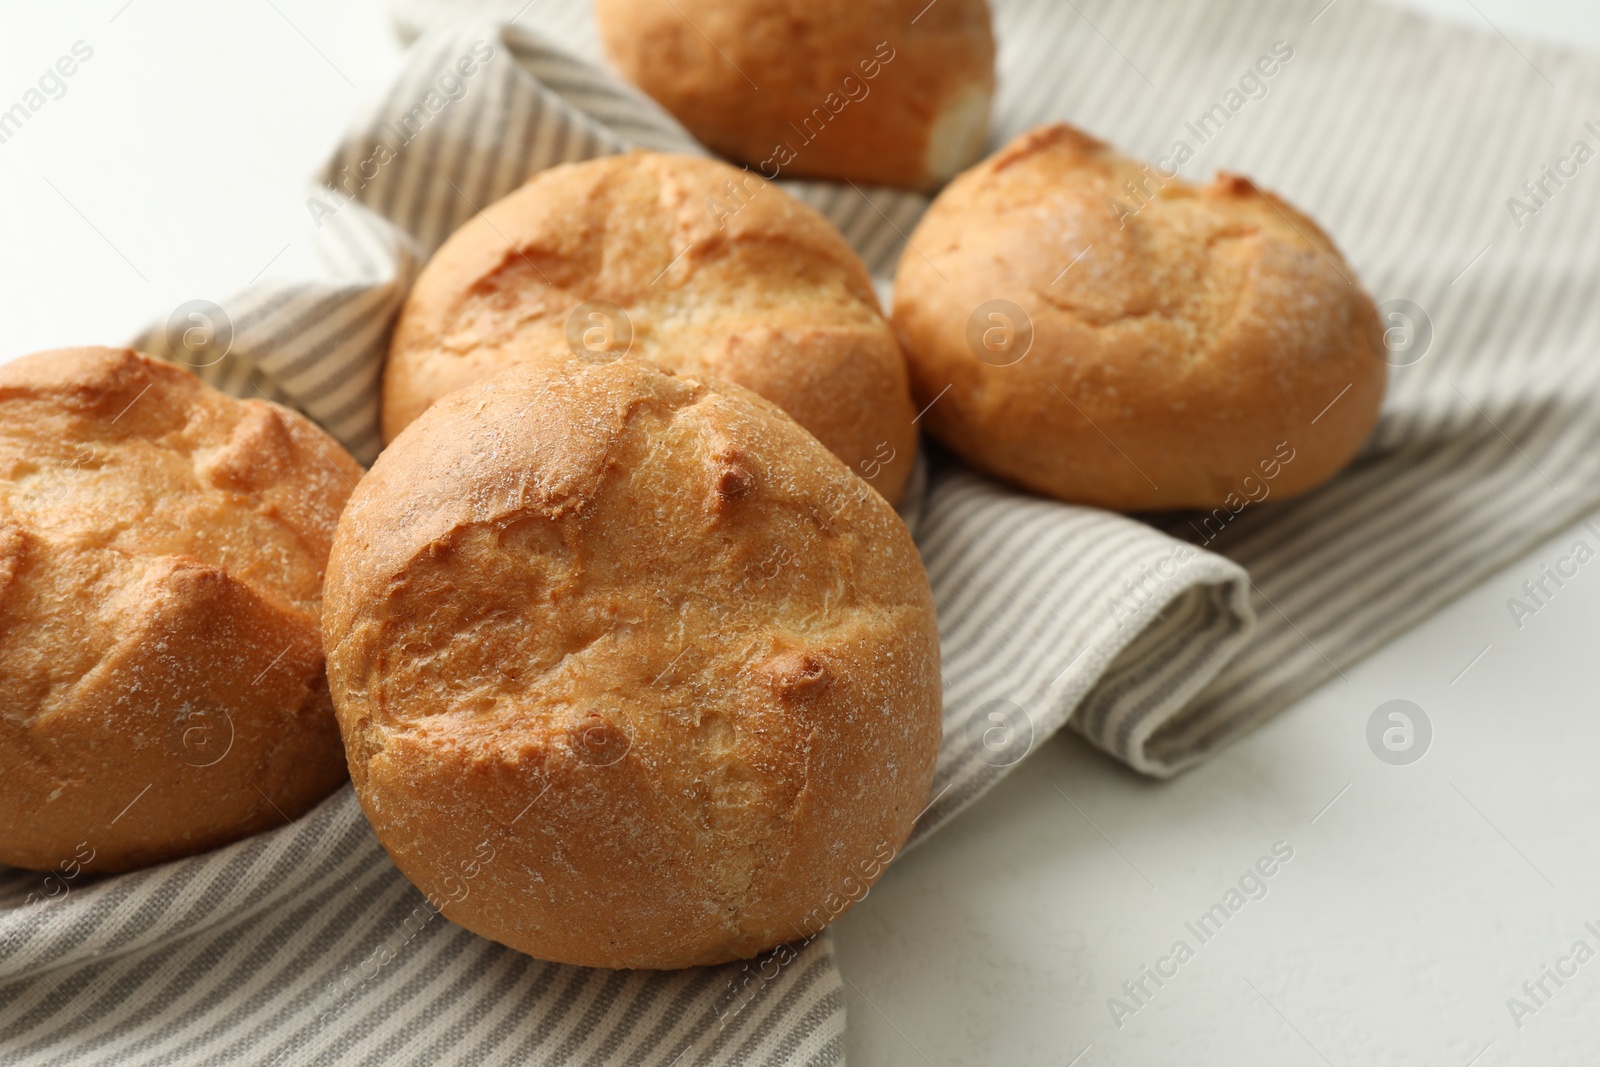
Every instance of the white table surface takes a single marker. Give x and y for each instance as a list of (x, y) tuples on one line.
[(174, 167)]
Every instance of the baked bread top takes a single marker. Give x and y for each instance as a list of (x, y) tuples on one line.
[(715, 272)]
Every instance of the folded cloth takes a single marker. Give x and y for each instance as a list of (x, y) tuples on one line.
[(305, 945)]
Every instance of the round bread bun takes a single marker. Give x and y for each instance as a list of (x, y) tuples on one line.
[(162, 548), (631, 671), (1180, 347), (689, 263), (891, 92)]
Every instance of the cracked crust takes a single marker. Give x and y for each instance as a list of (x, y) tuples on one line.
[(642, 640), (161, 556), (886, 92), (1175, 347), (719, 273)]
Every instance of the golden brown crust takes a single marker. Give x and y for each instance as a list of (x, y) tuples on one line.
[(718, 273), (161, 558), (891, 92), (631, 671), (1200, 338)]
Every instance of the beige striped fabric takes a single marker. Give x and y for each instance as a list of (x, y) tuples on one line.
[(1158, 640)]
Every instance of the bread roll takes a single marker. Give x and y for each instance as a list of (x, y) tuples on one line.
[(688, 263), (889, 92), (631, 671), (1105, 334), (161, 557)]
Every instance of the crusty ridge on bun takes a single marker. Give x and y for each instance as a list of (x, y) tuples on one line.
[(632, 672)]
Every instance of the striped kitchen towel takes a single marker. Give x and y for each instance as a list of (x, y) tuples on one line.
[(1422, 147)]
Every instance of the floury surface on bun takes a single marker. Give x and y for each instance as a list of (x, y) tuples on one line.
[(161, 558), (631, 671), (691, 264), (1107, 334), (886, 92)]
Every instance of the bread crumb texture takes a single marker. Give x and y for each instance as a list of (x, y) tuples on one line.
[(643, 640), (162, 549)]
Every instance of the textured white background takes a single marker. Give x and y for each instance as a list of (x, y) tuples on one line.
[(174, 168)]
